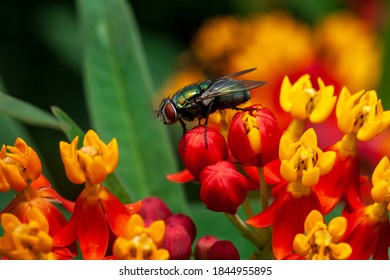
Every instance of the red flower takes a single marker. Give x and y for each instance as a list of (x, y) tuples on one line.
[(254, 136), (368, 232), (95, 217), (223, 187), (287, 214), (344, 178), (201, 147)]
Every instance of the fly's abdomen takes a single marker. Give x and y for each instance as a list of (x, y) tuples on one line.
[(235, 99)]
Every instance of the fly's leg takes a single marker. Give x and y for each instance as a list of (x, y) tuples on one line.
[(206, 121), (183, 125)]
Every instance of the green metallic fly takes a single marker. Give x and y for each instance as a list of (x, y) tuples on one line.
[(199, 100)]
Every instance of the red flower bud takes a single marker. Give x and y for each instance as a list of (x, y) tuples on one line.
[(196, 154), (177, 241), (223, 250), (203, 246), (184, 221), (254, 136), (223, 187), (153, 209)]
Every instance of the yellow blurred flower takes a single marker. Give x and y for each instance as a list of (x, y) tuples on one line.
[(29, 241), (321, 242), (140, 242), (350, 49)]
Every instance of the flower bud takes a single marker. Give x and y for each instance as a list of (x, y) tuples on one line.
[(178, 242), (223, 187), (254, 136), (223, 250), (203, 246), (199, 148), (184, 221), (153, 209)]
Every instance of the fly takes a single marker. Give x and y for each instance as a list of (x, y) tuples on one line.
[(200, 99)]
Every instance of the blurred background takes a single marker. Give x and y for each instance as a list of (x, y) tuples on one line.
[(342, 41)]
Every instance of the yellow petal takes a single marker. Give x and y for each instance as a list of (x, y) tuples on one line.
[(97, 170), (9, 222), (157, 231), (287, 171), (285, 95), (135, 224), (341, 251), (323, 109), (337, 227), (309, 138), (326, 161), (380, 191), (312, 221), (369, 130), (310, 177), (285, 147), (73, 171), (380, 170), (301, 245)]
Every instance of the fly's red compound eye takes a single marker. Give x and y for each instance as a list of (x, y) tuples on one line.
[(170, 113)]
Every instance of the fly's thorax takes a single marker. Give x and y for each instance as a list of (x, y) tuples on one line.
[(187, 96)]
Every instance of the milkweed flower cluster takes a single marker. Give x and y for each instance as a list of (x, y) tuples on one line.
[(103, 226)]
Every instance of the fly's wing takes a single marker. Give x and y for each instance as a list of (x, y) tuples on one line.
[(237, 73), (223, 87)]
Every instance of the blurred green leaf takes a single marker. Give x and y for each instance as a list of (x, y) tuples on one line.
[(68, 126), (119, 94), (71, 130), (26, 112)]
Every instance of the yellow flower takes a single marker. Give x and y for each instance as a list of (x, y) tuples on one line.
[(361, 114), (19, 166), (334, 38), (304, 102), (381, 182), (320, 242), (304, 160), (94, 161), (29, 241), (141, 243)]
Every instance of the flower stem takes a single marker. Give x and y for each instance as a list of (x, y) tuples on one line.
[(258, 240), (263, 188)]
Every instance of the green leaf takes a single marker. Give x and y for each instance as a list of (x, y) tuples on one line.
[(68, 126), (71, 130), (26, 112), (119, 98)]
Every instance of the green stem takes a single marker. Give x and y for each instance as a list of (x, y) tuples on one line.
[(258, 240), (247, 209), (263, 189)]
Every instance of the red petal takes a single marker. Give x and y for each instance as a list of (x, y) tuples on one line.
[(289, 222), (68, 233), (267, 217), (344, 178), (183, 176), (92, 232), (360, 235), (117, 214), (381, 248)]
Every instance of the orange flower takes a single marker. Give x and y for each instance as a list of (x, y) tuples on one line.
[(97, 212), (95, 160), (19, 166)]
